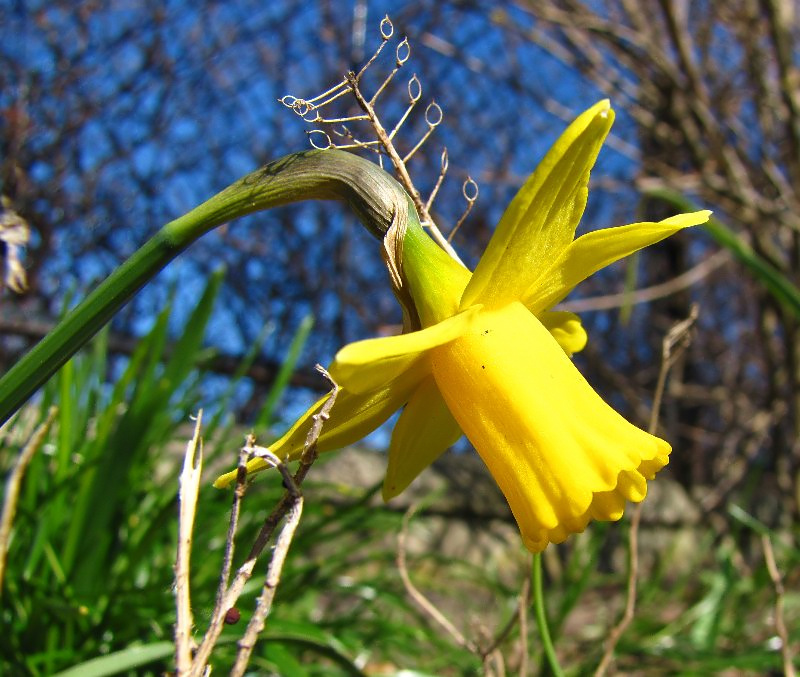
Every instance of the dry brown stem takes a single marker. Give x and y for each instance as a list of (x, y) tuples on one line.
[(13, 484), (289, 507), (488, 651), (279, 553), (421, 600), (780, 622), (674, 344), (310, 111), (648, 294), (189, 489)]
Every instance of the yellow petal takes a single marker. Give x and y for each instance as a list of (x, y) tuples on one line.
[(353, 416), (566, 328), (366, 365), (595, 250), (559, 453), (541, 219), (424, 431)]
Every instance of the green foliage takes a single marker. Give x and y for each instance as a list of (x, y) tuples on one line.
[(88, 590), (90, 561)]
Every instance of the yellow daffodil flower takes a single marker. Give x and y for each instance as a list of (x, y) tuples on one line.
[(492, 360)]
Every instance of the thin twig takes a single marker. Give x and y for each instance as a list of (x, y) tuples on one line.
[(283, 508), (488, 654), (414, 95), (13, 484), (309, 110), (492, 650), (279, 553), (470, 192), (387, 30), (189, 488), (222, 603), (780, 623), (432, 125), (401, 54), (400, 168), (494, 665), (522, 605), (674, 344), (652, 293), (423, 602), (284, 540), (243, 574), (631, 591), (230, 539), (442, 173)]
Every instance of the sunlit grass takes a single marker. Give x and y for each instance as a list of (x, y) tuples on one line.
[(90, 564)]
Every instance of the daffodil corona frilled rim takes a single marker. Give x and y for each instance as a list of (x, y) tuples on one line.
[(491, 360)]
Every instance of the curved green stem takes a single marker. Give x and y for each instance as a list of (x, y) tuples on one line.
[(375, 197), (541, 617)]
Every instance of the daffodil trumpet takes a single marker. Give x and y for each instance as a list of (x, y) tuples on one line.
[(485, 355)]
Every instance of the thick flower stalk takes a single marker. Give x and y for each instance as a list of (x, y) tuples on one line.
[(487, 357)]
